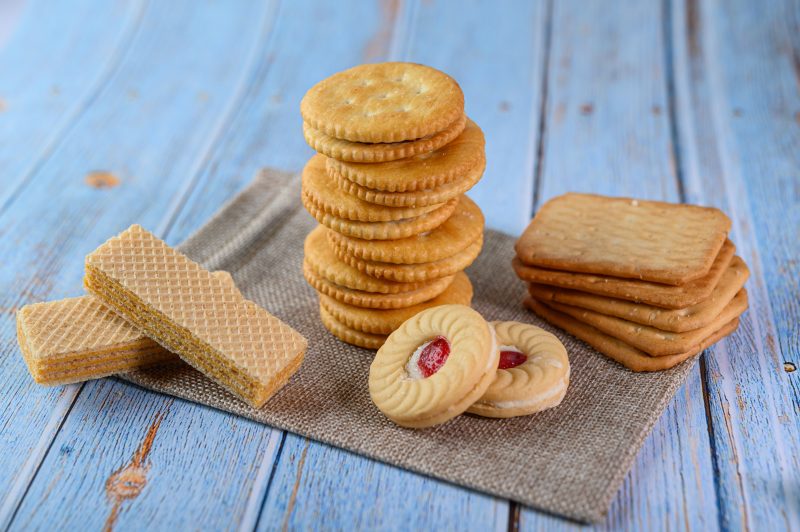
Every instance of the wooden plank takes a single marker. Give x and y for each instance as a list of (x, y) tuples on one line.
[(124, 453), (267, 132), (608, 131), (52, 69), (737, 76)]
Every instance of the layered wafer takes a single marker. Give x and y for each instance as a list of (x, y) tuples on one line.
[(192, 313), (78, 339)]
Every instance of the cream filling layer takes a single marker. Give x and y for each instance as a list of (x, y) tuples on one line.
[(531, 401)]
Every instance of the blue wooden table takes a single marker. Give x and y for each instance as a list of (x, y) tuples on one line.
[(115, 112)]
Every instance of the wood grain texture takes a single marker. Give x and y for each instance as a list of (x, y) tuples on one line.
[(53, 67), (608, 131), (738, 94), (266, 131), (165, 122)]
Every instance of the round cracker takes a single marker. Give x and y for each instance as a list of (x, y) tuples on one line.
[(386, 321), (323, 192), (456, 233), (348, 335), (416, 198), (423, 171), (362, 152), (383, 102)]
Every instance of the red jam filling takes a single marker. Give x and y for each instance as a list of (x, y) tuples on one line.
[(511, 359), (433, 356)]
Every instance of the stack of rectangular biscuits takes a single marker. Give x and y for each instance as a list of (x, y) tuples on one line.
[(648, 284), (396, 155)]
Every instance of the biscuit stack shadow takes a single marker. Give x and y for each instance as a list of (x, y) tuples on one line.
[(648, 284), (396, 153)]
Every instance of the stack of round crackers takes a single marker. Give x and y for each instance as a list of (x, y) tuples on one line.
[(396, 153), (648, 284)]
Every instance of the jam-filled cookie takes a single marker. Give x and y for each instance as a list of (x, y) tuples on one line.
[(434, 366), (532, 373)]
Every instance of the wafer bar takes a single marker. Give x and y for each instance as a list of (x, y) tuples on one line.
[(187, 310), (79, 338)]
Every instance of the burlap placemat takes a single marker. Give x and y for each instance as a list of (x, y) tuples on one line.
[(570, 460)]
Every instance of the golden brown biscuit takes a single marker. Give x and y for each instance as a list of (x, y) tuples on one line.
[(622, 237), (424, 171), (319, 189), (675, 320), (616, 349), (456, 233), (420, 272), (434, 366), (657, 294), (363, 152), (382, 230), (360, 298), (386, 321), (532, 375), (417, 198), (349, 335), (383, 102)]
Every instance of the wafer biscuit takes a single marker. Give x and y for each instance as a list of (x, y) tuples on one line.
[(194, 314), (424, 171), (622, 237), (373, 300), (416, 198), (382, 230), (348, 334), (617, 350), (434, 366), (456, 233), (383, 102), (650, 340), (320, 257), (320, 190), (660, 295), (678, 320), (376, 321), (420, 272), (533, 372), (362, 152)]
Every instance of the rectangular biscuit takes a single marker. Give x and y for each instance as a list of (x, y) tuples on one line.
[(189, 311), (622, 237), (659, 295), (77, 339), (674, 320), (617, 350), (650, 340)]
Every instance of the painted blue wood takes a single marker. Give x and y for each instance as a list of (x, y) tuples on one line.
[(736, 70), (608, 131), (53, 66), (267, 132), (150, 128)]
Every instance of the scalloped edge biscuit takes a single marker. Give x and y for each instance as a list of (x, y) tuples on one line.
[(395, 230), (417, 198), (424, 171), (456, 233), (462, 379), (537, 384), (348, 335), (320, 190), (361, 152), (383, 102), (420, 272), (386, 321)]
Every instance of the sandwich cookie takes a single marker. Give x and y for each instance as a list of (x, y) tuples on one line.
[(532, 375), (434, 367)]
